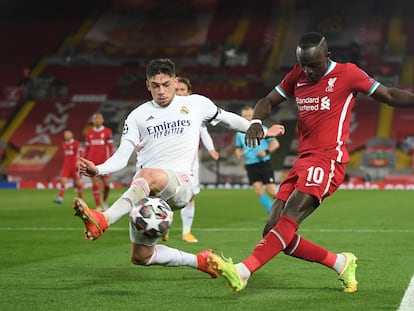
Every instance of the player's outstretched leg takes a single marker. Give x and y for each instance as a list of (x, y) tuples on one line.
[(95, 222), (226, 268), (203, 264), (347, 275)]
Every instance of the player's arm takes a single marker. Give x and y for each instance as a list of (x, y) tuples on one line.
[(238, 152), (273, 145), (262, 110), (116, 162), (394, 96), (110, 143), (208, 142), (86, 149)]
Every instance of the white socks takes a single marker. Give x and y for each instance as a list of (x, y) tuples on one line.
[(244, 272), (187, 217), (339, 263), (171, 257), (121, 207)]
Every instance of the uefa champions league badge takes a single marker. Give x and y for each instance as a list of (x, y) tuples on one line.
[(184, 110), (125, 129)]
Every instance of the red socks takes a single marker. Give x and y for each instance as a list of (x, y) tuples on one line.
[(272, 243), (61, 191), (307, 250), (105, 193), (79, 189), (96, 195)]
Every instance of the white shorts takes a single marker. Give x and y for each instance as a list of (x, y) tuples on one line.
[(179, 190)]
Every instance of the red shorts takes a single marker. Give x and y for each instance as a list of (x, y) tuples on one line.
[(70, 172), (314, 175)]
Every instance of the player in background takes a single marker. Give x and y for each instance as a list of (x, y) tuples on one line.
[(324, 92), (184, 88), (71, 153), (98, 148), (165, 133), (257, 163)]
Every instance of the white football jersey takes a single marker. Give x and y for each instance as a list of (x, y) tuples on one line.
[(169, 137)]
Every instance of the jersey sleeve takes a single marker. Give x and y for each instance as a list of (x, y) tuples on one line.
[(361, 81), (206, 138), (130, 130), (286, 87)]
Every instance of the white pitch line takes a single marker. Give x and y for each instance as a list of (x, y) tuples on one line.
[(407, 303), (227, 229)]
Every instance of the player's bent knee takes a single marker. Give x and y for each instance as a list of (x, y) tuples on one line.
[(141, 258), (137, 261)]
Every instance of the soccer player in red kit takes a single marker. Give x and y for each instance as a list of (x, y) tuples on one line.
[(72, 152), (324, 92), (98, 148)]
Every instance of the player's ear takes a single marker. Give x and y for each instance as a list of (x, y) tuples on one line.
[(148, 85)]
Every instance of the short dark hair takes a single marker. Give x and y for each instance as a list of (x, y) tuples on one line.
[(160, 65), (187, 82), (313, 39)]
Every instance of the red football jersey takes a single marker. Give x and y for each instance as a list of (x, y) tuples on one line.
[(72, 152), (324, 108), (99, 145)]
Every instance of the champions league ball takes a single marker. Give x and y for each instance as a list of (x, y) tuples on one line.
[(152, 216)]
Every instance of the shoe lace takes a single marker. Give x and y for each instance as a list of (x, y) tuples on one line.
[(227, 260)]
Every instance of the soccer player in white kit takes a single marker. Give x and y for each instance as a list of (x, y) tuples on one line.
[(184, 88), (165, 133)]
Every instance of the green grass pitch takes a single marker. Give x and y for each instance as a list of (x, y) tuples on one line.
[(47, 265)]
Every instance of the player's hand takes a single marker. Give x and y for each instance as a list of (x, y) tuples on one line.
[(253, 135), (87, 168), (275, 130), (214, 154)]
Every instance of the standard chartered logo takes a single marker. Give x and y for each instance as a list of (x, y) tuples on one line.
[(325, 103), (313, 103)]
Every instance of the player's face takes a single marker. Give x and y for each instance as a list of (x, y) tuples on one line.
[(247, 114), (68, 135), (313, 61), (162, 88), (182, 89), (97, 120)]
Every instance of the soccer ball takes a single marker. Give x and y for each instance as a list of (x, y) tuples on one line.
[(152, 216)]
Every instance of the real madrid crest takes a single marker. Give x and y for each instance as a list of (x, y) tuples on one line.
[(184, 110)]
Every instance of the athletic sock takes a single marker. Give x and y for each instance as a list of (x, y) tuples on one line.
[(272, 243), (266, 202), (138, 190), (105, 193), (309, 251), (339, 263), (171, 257), (61, 191), (79, 190), (96, 195), (187, 217)]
